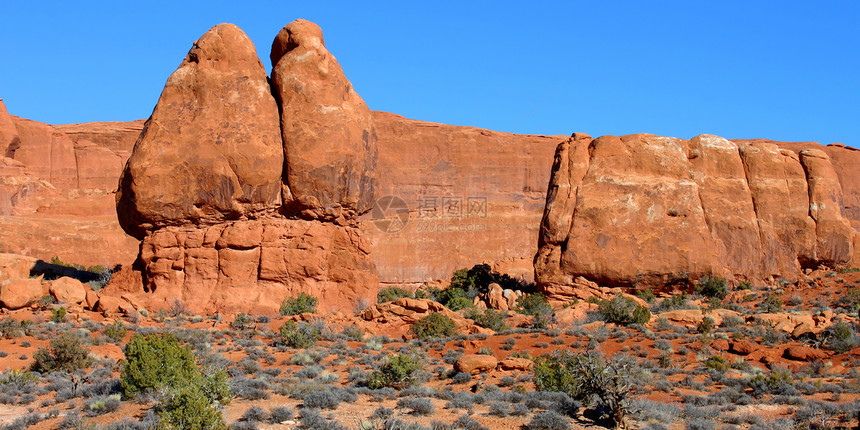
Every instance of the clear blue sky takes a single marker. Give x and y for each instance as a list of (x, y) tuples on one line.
[(740, 69)]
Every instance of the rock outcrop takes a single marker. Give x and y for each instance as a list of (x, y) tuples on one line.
[(203, 187), (328, 134), (211, 151), (649, 212)]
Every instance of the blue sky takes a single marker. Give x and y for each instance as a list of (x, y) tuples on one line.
[(740, 69)]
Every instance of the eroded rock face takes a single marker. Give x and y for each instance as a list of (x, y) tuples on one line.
[(649, 211), (328, 134), (255, 265), (211, 151)]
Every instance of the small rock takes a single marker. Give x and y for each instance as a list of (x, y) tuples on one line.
[(475, 363)]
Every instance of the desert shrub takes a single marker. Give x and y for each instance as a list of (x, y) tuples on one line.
[(647, 295), (10, 327), (58, 315), (706, 325), (157, 362), (712, 287), (280, 414), (321, 400), (717, 363), (434, 325), (772, 382), (418, 405), (772, 303), (116, 331), (188, 408), (301, 335), (841, 337), (622, 310), (548, 420), (154, 361), (534, 304), (391, 294), (103, 404), (678, 301), (462, 378), (254, 414), (489, 318), (585, 376), (300, 304), (65, 353), (399, 371), (466, 422), (242, 321), (454, 298)]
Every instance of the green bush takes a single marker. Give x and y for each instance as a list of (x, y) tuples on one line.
[(717, 363), (10, 327), (58, 315), (116, 331), (454, 298), (534, 304), (841, 337), (706, 325), (586, 377), (188, 408), (156, 361), (399, 371), (772, 303), (434, 325), (622, 310), (301, 335), (65, 353), (489, 318), (647, 295), (391, 294), (242, 321), (303, 303), (713, 287)]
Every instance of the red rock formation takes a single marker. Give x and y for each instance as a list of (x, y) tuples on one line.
[(211, 151), (9, 139), (202, 188), (329, 138), (495, 184), (649, 211)]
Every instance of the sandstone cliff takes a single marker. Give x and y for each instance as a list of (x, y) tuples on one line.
[(651, 211)]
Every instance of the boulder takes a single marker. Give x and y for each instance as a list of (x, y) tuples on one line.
[(475, 363), (14, 266), (803, 353), (18, 293), (211, 151), (68, 290), (516, 363), (496, 297), (743, 347), (328, 134)]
